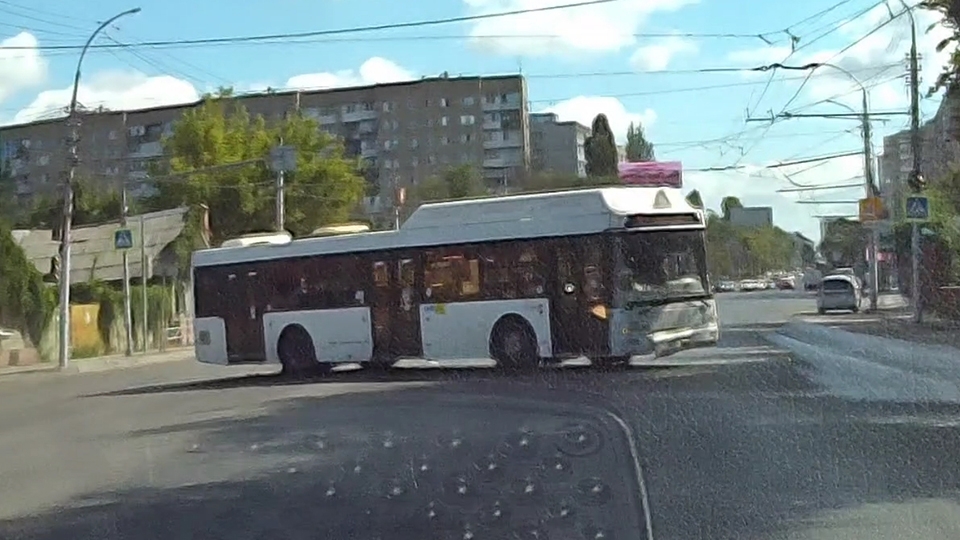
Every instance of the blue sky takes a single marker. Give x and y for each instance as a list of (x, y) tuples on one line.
[(579, 62)]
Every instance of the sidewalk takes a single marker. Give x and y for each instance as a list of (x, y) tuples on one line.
[(105, 363)]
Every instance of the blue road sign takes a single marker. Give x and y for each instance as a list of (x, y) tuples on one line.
[(918, 208), (123, 239)]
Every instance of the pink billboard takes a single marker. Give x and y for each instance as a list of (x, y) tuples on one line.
[(652, 173)]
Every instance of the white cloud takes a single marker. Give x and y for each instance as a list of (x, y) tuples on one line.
[(375, 70), (20, 68), (116, 90), (596, 28), (126, 90), (878, 57), (584, 109), (757, 185), (657, 56)]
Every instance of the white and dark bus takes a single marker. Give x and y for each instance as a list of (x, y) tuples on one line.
[(607, 274)]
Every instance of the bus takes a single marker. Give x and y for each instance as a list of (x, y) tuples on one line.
[(607, 274)]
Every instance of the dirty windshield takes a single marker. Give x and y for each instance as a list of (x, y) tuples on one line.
[(480, 269), (656, 266)]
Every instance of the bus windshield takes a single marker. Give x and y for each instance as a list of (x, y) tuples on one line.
[(659, 266)]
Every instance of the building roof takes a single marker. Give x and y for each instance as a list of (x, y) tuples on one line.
[(272, 93), (93, 254), (532, 215)]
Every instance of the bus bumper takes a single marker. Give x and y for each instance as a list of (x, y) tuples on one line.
[(664, 330)]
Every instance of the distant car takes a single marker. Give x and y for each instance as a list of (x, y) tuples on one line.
[(725, 286), (786, 284)]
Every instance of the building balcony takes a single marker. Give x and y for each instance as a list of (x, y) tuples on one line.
[(147, 150), (503, 143)]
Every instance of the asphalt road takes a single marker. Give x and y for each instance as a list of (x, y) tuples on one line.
[(741, 445)]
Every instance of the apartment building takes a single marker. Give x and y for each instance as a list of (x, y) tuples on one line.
[(939, 153), (405, 132), (558, 146)]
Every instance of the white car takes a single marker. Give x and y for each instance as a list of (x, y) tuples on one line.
[(839, 292)]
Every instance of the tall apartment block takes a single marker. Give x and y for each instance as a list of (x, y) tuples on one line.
[(558, 146), (405, 132), (939, 152)]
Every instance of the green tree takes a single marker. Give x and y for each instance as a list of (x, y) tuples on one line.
[(25, 302), (601, 149), (455, 183), (949, 11), (638, 147), (727, 204), (695, 199), (844, 243), (208, 140), (91, 206)]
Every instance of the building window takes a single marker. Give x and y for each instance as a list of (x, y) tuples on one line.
[(468, 101), (444, 120), (444, 140), (467, 120), (414, 143), (444, 102), (415, 161), (466, 137)]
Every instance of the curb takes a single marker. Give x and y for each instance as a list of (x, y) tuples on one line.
[(103, 363)]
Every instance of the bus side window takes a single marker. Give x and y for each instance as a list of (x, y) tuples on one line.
[(450, 276)]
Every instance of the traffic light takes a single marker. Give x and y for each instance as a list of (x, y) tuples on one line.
[(917, 182)]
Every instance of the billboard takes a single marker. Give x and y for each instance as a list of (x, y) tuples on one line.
[(651, 173)]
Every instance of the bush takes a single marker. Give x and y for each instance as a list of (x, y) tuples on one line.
[(26, 303)]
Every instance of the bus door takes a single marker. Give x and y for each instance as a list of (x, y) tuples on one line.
[(577, 294), (396, 308), (243, 315), (405, 307)]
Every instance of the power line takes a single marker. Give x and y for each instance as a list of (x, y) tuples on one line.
[(288, 36), (840, 52)]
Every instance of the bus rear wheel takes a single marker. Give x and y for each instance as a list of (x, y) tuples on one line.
[(513, 344), (298, 357)]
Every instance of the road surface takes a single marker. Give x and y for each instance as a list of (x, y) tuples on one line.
[(745, 444)]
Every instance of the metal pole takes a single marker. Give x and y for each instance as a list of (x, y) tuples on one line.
[(144, 272), (281, 210), (916, 149), (67, 223), (124, 212), (871, 192)]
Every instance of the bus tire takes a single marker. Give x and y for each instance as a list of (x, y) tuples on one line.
[(298, 357), (513, 344)]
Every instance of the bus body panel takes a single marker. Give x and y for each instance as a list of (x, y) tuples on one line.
[(210, 339), (338, 335), (448, 335)]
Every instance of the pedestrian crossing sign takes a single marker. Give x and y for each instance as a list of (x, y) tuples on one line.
[(123, 239), (918, 208)]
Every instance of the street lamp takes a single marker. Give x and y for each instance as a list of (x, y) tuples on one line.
[(74, 123), (871, 186)]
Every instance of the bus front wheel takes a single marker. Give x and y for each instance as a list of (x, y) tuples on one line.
[(513, 344), (297, 354)]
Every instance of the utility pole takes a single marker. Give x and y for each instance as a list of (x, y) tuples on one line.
[(872, 192), (144, 272), (916, 175), (399, 196), (281, 209), (124, 212), (66, 225)]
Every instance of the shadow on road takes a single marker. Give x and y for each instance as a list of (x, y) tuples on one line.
[(467, 456)]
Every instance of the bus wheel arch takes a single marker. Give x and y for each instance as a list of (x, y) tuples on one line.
[(513, 342), (296, 351)]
